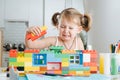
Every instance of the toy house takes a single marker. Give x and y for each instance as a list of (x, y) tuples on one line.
[(56, 60)]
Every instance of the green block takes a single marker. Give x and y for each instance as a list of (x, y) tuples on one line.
[(81, 69), (65, 56), (47, 51), (65, 72), (12, 59), (16, 64), (28, 55), (65, 59), (56, 47)]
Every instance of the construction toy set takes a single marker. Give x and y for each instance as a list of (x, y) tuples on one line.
[(56, 60)]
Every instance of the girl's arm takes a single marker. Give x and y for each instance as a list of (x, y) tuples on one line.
[(42, 43)]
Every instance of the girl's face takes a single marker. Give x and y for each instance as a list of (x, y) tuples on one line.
[(68, 30)]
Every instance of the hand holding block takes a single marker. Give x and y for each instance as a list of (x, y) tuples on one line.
[(34, 37)]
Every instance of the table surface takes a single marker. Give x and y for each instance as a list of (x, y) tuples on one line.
[(33, 77), (43, 77)]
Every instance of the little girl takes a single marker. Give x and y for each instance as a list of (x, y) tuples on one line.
[(69, 23)]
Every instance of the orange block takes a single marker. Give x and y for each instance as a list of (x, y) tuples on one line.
[(93, 64), (93, 68), (68, 51), (87, 73), (58, 72), (43, 68), (42, 72), (86, 63)]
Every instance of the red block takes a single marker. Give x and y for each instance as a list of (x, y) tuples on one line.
[(13, 53), (34, 37), (32, 51)]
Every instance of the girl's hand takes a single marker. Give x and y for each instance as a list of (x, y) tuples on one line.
[(35, 30)]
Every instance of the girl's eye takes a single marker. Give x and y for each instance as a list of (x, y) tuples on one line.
[(70, 28), (62, 26)]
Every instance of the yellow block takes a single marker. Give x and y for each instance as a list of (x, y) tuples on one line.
[(79, 72), (65, 64), (20, 59), (27, 59), (32, 68), (43, 28), (28, 64), (68, 51), (72, 72), (20, 54)]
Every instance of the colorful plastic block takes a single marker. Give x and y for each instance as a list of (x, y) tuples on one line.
[(13, 53), (56, 60), (34, 37)]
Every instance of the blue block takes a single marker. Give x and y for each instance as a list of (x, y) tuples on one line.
[(81, 59), (52, 58), (39, 59)]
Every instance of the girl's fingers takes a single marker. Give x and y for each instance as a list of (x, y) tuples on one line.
[(36, 30)]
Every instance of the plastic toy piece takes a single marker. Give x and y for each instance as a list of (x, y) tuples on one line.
[(32, 51), (56, 47), (68, 51), (34, 37), (67, 62), (13, 53)]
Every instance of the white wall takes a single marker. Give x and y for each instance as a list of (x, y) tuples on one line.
[(16, 10), (106, 23), (36, 13), (1, 13), (20, 12), (50, 9)]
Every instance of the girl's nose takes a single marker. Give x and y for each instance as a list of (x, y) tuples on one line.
[(66, 29)]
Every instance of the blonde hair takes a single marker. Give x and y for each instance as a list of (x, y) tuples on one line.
[(70, 14)]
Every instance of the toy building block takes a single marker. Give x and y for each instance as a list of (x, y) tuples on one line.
[(46, 51), (34, 37), (32, 51), (13, 53), (68, 62), (57, 49), (68, 51)]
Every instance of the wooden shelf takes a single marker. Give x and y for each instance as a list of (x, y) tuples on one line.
[(1, 46)]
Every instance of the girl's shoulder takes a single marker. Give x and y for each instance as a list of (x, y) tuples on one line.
[(79, 39)]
